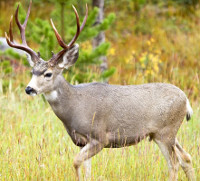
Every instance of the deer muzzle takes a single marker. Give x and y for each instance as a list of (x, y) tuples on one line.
[(30, 91)]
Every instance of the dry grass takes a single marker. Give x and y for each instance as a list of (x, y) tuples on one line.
[(35, 146)]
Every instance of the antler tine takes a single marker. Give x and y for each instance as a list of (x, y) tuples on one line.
[(23, 27), (28, 13), (9, 40), (10, 29), (85, 18), (65, 47), (77, 30), (60, 41), (26, 49)]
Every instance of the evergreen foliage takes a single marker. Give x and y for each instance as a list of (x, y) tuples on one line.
[(41, 33)]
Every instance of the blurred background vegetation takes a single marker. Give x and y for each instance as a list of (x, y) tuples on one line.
[(146, 41)]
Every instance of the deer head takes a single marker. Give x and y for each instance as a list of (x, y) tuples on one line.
[(44, 73)]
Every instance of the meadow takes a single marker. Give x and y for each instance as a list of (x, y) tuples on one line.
[(156, 45), (34, 145)]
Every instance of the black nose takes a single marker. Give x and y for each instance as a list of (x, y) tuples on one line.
[(29, 90)]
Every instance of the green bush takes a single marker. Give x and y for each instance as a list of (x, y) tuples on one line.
[(41, 32)]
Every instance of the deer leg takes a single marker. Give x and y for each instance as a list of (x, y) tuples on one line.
[(87, 167), (171, 158), (88, 151), (185, 161)]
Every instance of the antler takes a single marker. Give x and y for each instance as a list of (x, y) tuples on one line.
[(65, 47), (22, 28)]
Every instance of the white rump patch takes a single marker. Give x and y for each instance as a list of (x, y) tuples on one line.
[(51, 96), (189, 110)]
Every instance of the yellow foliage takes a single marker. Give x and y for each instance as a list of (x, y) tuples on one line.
[(87, 46), (111, 51), (148, 62)]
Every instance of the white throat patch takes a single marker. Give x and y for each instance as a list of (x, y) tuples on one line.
[(51, 96)]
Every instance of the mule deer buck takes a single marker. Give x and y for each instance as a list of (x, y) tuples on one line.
[(98, 115)]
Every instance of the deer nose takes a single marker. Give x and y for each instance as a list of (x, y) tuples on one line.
[(29, 90)]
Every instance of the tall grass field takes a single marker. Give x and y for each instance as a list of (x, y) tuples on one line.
[(34, 145), (156, 43)]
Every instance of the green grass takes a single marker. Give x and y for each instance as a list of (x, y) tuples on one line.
[(35, 146)]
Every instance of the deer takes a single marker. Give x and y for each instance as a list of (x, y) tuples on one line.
[(101, 115)]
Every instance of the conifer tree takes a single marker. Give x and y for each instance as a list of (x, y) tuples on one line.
[(40, 31)]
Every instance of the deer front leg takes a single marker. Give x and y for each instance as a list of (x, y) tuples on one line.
[(88, 151)]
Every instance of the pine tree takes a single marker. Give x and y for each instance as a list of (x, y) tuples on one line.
[(40, 32)]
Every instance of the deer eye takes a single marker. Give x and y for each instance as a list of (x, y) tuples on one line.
[(48, 75)]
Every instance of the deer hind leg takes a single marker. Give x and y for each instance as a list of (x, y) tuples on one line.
[(171, 158), (88, 151), (185, 161), (87, 167)]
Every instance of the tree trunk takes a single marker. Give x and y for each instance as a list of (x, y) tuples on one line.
[(100, 38)]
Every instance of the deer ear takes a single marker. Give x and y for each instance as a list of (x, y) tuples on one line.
[(30, 61), (70, 57)]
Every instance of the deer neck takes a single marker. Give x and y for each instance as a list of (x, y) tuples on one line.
[(61, 100), (61, 93)]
